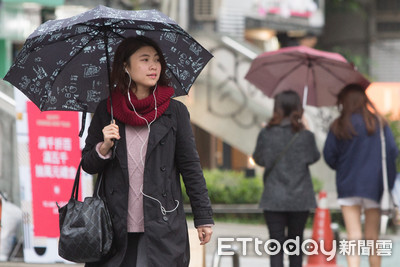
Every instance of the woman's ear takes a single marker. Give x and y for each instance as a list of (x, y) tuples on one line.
[(125, 68)]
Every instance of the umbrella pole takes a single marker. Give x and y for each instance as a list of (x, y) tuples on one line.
[(108, 74), (109, 88), (305, 95)]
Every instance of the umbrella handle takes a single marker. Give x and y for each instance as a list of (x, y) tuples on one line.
[(114, 147)]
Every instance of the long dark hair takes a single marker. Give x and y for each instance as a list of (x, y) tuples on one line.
[(119, 78), (352, 99), (287, 105)]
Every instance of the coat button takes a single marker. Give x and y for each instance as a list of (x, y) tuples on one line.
[(162, 142), (165, 218), (162, 169)]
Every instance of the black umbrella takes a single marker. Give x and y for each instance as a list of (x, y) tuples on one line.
[(65, 64)]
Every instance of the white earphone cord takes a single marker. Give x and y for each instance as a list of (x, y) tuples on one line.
[(163, 210), (147, 123)]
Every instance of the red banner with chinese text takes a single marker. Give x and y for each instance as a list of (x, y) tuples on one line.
[(54, 157)]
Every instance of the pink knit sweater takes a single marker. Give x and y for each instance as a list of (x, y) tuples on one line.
[(136, 143)]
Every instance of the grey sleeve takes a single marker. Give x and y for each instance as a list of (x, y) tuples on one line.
[(313, 154)]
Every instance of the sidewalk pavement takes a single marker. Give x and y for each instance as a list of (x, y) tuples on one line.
[(261, 232), (252, 259)]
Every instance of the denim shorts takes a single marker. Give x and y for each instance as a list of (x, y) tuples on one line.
[(365, 203)]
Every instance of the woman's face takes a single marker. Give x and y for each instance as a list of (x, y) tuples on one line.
[(144, 67)]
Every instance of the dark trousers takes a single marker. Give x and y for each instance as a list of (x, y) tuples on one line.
[(277, 223), (131, 251)]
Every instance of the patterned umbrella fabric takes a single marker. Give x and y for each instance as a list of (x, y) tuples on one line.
[(317, 76), (65, 64)]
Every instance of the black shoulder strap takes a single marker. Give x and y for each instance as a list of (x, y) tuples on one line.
[(83, 124)]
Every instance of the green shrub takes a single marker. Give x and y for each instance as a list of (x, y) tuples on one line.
[(317, 184), (232, 187)]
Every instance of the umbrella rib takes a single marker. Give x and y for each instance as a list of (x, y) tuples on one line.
[(289, 72), (331, 62), (65, 64), (56, 42), (117, 34), (330, 72), (64, 39), (295, 57), (91, 27), (279, 62), (322, 66), (314, 83), (69, 60)]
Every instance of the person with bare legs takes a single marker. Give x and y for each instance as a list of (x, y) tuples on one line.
[(353, 149)]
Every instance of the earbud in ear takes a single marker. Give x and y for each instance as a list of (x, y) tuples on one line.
[(126, 71)]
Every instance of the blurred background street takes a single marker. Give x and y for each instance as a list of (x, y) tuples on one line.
[(226, 111)]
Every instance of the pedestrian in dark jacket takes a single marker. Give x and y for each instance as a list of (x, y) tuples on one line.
[(154, 145), (353, 149), (288, 192)]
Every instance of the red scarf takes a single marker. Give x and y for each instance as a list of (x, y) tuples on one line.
[(123, 110)]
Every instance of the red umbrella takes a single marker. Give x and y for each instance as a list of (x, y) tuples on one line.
[(316, 75)]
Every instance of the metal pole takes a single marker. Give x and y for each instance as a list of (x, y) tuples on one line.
[(105, 36), (305, 95)]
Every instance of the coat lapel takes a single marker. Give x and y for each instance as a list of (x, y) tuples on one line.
[(158, 130)]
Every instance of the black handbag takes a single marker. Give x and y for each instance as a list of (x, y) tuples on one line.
[(86, 232)]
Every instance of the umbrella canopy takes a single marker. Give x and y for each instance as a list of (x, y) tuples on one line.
[(65, 64), (315, 75)]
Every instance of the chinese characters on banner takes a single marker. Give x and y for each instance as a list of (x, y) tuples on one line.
[(54, 158)]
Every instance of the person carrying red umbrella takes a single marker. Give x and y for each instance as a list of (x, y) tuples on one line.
[(286, 149), (317, 76)]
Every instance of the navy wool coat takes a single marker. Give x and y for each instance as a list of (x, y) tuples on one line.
[(171, 152), (358, 162)]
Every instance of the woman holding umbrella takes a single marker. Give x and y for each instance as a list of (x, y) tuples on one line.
[(353, 149), (286, 149), (142, 173)]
